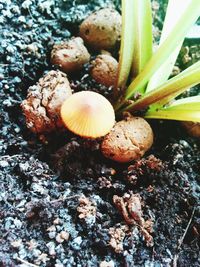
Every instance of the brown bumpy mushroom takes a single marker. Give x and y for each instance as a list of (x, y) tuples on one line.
[(128, 140), (193, 128), (70, 55), (102, 29), (44, 100), (104, 70)]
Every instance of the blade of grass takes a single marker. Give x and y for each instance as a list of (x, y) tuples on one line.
[(127, 45), (165, 100), (180, 115), (170, 89), (191, 103), (185, 22), (187, 109), (158, 104), (142, 35), (194, 32), (171, 18)]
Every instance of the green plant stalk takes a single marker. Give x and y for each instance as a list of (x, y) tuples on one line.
[(127, 45), (171, 18), (191, 103), (175, 86), (143, 40), (186, 109), (164, 51), (179, 115), (165, 100)]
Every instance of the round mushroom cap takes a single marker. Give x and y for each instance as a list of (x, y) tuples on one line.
[(71, 55), (128, 140), (104, 70), (88, 114), (102, 29), (44, 100)]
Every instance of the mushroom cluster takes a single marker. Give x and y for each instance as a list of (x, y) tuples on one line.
[(50, 104)]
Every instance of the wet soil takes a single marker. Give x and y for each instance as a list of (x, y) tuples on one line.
[(43, 186)]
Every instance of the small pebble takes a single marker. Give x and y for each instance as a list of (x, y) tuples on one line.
[(62, 236), (4, 164), (52, 235), (77, 243), (26, 4), (16, 243), (56, 221), (51, 247), (107, 264)]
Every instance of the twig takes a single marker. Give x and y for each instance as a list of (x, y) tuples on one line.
[(180, 241), (63, 199), (186, 229), (26, 262), (10, 157), (31, 14), (175, 259)]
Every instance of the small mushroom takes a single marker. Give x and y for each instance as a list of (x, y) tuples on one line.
[(44, 100), (193, 128), (104, 70), (102, 29), (128, 140), (88, 114), (71, 55)]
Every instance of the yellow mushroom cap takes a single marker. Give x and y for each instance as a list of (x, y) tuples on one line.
[(88, 114)]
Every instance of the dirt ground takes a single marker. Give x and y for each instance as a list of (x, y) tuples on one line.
[(56, 198)]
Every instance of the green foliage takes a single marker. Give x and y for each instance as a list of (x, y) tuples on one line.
[(186, 109), (150, 73), (127, 44), (171, 18), (142, 36)]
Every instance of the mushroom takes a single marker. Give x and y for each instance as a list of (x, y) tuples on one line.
[(128, 140), (104, 70), (88, 114), (44, 100), (102, 29), (70, 55)]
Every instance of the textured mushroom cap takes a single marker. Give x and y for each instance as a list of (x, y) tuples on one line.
[(128, 140), (70, 55), (104, 69), (88, 114), (193, 128), (102, 29), (44, 100)]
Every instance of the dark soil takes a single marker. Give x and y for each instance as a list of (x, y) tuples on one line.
[(41, 183)]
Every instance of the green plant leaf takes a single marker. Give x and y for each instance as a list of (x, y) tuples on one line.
[(187, 109), (172, 96), (183, 115), (194, 32), (164, 51), (171, 18), (190, 103), (169, 90), (142, 35), (127, 44)]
